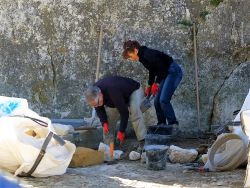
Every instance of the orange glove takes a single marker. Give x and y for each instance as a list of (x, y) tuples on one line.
[(121, 137), (155, 88), (148, 91), (105, 128)]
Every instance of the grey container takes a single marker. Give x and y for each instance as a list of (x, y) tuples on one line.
[(157, 139), (88, 138), (160, 129), (85, 138), (159, 135), (156, 157)]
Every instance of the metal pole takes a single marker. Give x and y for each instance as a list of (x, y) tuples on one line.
[(196, 78)]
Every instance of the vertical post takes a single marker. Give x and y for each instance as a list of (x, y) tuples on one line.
[(97, 68), (196, 78), (99, 54)]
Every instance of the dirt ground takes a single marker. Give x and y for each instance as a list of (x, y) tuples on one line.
[(134, 174)]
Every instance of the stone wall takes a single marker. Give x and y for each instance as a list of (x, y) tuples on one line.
[(48, 51)]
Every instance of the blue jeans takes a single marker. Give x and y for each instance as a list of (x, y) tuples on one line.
[(163, 107)]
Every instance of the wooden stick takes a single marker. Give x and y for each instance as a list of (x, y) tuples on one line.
[(99, 55), (111, 150), (98, 67), (196, 78)]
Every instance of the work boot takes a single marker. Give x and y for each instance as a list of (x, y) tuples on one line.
[(140, 147)]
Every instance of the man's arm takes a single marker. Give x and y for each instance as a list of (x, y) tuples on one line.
[(101, 113)]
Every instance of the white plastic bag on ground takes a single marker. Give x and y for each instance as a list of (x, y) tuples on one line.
[(245, 121), (228, 151), (10, 106), (62, 129), (245, 106), (21, 140)]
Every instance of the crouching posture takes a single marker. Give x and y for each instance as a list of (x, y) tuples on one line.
[(117, 97), (164, 77)]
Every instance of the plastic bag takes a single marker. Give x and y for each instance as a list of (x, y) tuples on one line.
[(62, 129), (229, 151), (10, 106), (245, 106), (21, 140), (245, 121)]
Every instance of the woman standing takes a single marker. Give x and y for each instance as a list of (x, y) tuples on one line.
[(164, 77)]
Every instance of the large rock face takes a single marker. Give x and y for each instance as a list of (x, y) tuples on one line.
[(48, 52), (224, 60)]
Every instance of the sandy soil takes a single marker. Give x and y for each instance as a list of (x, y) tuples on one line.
[(135, 174)]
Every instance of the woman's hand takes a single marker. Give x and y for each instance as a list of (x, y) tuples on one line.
[(148, 91), (155, 89)]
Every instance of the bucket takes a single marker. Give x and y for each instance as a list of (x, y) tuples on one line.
[(157, 139), (159, 135), (156, 157), (160, 129)]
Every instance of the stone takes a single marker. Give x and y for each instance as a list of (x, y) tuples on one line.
[(134, 156), (204, 158), (179, 155), (86, 157)]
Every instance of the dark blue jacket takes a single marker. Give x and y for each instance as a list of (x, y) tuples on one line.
[(116, 91), (156, 62)]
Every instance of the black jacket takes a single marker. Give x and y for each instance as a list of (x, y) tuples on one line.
[(156, 62), (116, 91)]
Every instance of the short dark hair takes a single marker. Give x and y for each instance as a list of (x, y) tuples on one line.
[(129, 46)]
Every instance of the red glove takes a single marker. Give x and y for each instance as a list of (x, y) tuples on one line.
[(155, 88), (148, 91), (121, 137), (105, 128)]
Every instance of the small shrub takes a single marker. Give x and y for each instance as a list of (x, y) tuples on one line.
[(203, 14), (215, 2), (185, 23)]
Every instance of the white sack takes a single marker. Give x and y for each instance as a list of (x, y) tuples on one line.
[(229, 152), (10, 106), (245, 120), (20, 142), (245, 106)]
